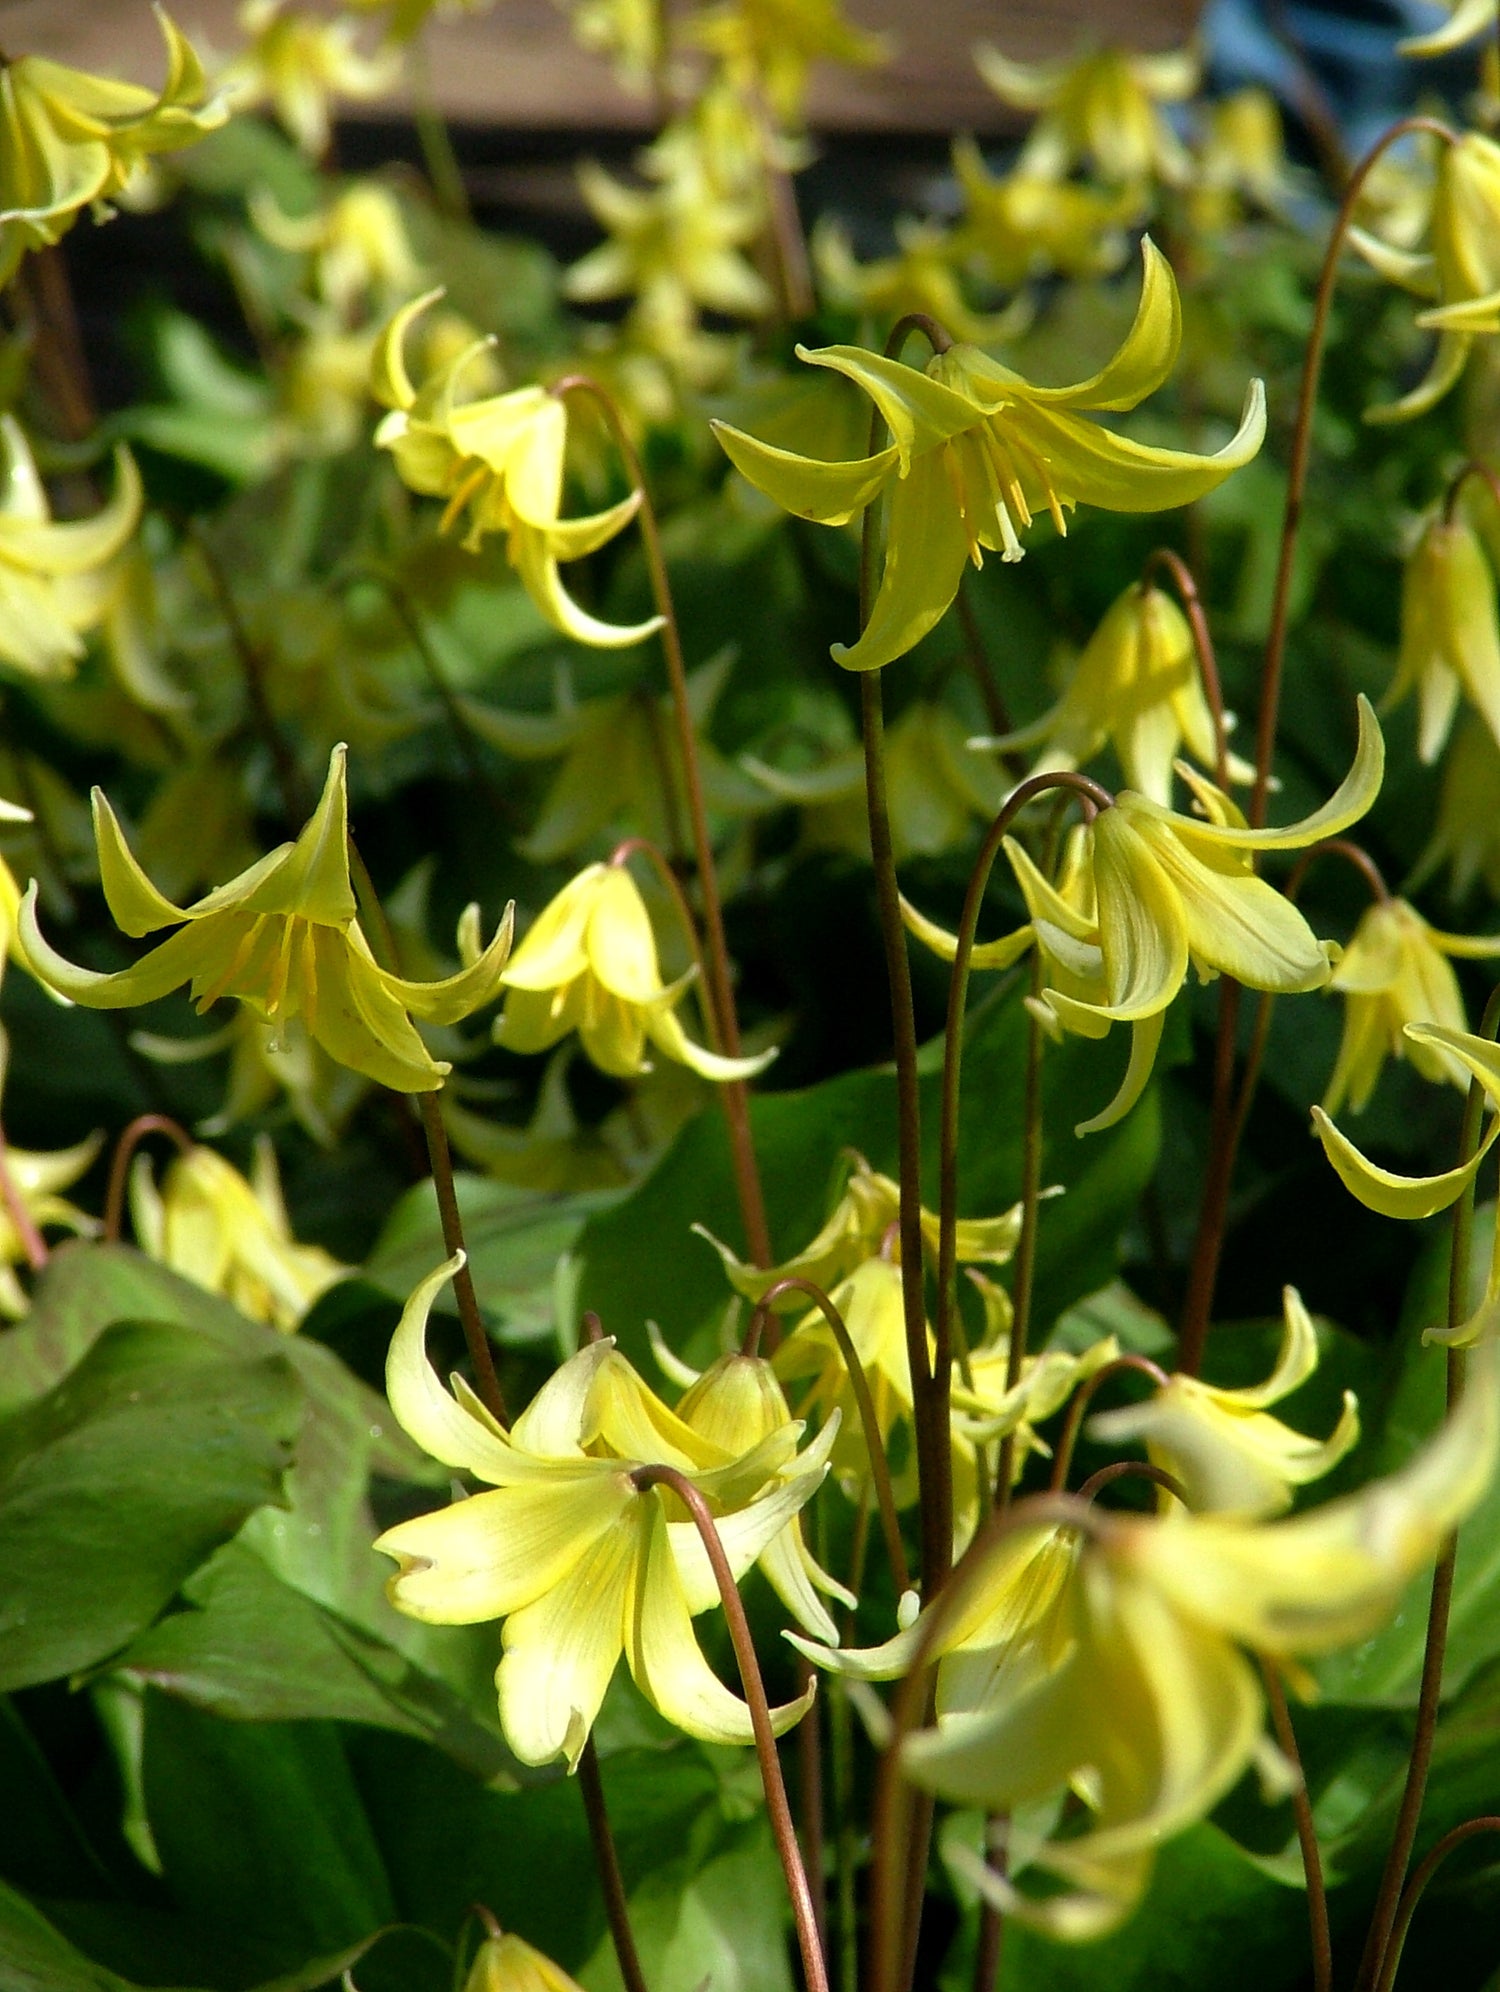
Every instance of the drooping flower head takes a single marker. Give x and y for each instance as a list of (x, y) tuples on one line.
[(1028, 224), (300, 65), (70, 140), (770, 45), (1102, 111), (498, 461), (1394, 1195), (977, 451), (283, 937)]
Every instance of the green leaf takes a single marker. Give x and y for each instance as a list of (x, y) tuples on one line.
[(116, 1485)]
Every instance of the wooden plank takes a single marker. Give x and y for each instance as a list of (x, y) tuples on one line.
[(516, 67)]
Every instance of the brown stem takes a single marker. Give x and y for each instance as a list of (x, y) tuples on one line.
[(732, 1093), (1131, 1469), (869, 1420), (810, 1799), (288, 777), (1429, 1693), (61, 362), (1083, 1396), (478, 1342), (1023, 1279), (1203, 642), (1307, 1832), (793, 272), (996, 712), (1416, 1887), (1213, 1211), (607, 1861), (119, 1168), (22, 1222), (991, 1942), (777, 1808), (1271, 669)]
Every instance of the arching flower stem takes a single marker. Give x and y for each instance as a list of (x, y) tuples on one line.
[(778, 1809), (119, 1169), (1416, 1887), (1185, 583), (1473, 468), (607, 1861), (733, 1094), (1307, 1831), (880, 1471), (1083, 1397), (1429, 1693), (1228, 1121), (1130, 1469)]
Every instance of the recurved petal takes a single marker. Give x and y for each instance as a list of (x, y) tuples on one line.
[(424, 1409), (572, 539), (312, 878), (531, 552), (1094, 466), (1402, 267), (359, 1023), (1392, 1195), (748, 1531), (918, 410), (1001, 953), (1142, 929), (1468, 19), (807, 487), (926, 548), (667, 1034), (1145, 1037), (135, 905), (390, 383), (1348, 803), (165, 968), (457, 996), (1448, 362)]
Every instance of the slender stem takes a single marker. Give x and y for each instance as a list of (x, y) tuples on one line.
[(22, 1222), (119, 1168), (1271, 669), (732, 1093), (869, 1419), (1213, 1211), (1083, 1396), (788, 238), (607, 1861), (1023, 1279), (478, 1342), (438, 156), (1203, 643), (288, 777), (1416, 1887), (1429, 1693), (1307, 1831), (777, 1808), (1131, 1469), (996, 712), (842, 1725), (991, 1942), (59, 357), (810, 1798)]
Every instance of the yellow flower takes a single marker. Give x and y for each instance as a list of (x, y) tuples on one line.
[(921, 276), (507, 1963), (267, 1063), (55, 576), (39, 1178), (1117, 1665), (1450, 633), (627, 33), (358, 245), (1466, 19), (282, 937), (1419, 1196), (1395, 971), (1100, 111), (935, 788), (1466, 835), (1461, 270), (977, 451), (501, 461), (579, 1562), (1136, 687), (69, 140), (861, 1221), (299, 64), (589, 964), (231, 1236), (1223, 1447), (1240, 157), (771, 45), (1028, 224)]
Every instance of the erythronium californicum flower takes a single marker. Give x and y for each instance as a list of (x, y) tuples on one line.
[(70, 140), (1466, 835), (1101, 110), (1026, 224), (1466, 19), (1460, 272), (579, 1562), (770, 45), (285, 939), (1239, 158), (737, 1404), (1223, 1447), (869, 1205), (588, 963), (499, 461), (38, 1179), (357, 245), (507, 1963), (231, 1236), (1450, 634), (1396, 971), (1105, 1653), (921, 276), (56, 576), (1419, 1196), (1137, 687), (268, 1063), (300, 64), (977, 451)]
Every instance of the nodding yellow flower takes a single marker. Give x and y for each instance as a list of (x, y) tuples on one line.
[(300, 64), (935, 788), (1101, 111), (769, 46), (627, 33), (1466, 19), (1450, 633), (921, 276), (977, 451), (1460, 272), (1466, 835), (70, 140), (38, 1178), (56, 577), (1240, 158), (283, 937), (1027, 224), (357, 245), (857, 1229), (1136, 687), (737, 1404), (268, 1063), (588, 963), (1223, 1447), (500, 461), (230, 1235), (1396, 971), (579, 1562), (1419, 1196), (507, 1963), (1107, 1656)]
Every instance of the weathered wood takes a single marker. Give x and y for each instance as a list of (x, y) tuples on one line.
[(516, 67)]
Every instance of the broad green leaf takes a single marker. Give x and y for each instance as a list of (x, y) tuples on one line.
[(116, 1485)]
